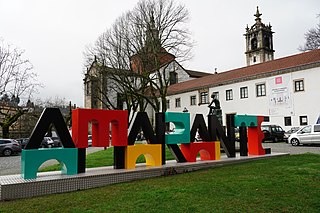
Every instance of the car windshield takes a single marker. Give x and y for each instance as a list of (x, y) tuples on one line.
[(279, 129), (276, 129), (306, 129)]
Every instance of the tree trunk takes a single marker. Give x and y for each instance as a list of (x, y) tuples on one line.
[(5, 132), (164, 103), (9, 121)]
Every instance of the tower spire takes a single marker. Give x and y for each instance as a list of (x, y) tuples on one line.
[(257, 15)]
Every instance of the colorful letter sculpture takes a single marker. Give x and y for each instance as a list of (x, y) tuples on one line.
[(32, 157), (181, 132), (141, 122), (243, 141), (217, 132), (72, 156), (199, 125), (189, 148), (160, 134), (101, 120), (151, 152), (208, 151), (162, 137), (246, 120), (255, 135), (176, 152), (125, 156), (50, 116)]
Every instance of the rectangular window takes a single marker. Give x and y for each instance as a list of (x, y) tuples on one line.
[(168, 104), (261, 90), (173, 78), (229, 95), (203, 96), (193, 100), (88, 88), (120, 100), (244, 92), (316, 128), (178, 102), (204, 99), (298, 85), (287, 121), (303, 120)]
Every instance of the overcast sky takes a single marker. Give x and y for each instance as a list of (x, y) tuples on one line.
[(54, 33)]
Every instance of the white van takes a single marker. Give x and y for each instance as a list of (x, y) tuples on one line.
[(306, 135)]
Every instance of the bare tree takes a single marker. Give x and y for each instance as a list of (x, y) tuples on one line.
[(17, 84), (56, 102), (132, 53), (312, 39)]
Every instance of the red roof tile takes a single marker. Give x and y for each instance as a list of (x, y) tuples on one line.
[(247, 72), (197, 74)]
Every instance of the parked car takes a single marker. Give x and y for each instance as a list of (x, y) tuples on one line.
[(47, 142), (306, 135), (23, 142), (273, 133), (289, 132), (9, 147), (90, 139), (237, 134), (56, 142)]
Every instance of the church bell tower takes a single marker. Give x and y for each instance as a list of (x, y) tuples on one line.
[(259, 42)]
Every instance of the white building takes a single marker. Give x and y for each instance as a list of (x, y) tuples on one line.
[(286, 89)]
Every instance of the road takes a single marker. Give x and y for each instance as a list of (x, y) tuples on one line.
[(288, 148), (11, 165)]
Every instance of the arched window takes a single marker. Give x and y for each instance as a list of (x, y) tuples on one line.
[(266, 41), (254, 44)]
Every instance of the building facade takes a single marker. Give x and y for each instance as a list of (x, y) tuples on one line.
[(98, 86), (285, 89)]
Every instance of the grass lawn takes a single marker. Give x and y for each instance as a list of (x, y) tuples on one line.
[(282, 184)]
